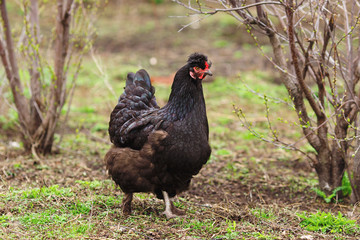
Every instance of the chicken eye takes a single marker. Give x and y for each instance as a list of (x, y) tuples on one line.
[(197, 68)]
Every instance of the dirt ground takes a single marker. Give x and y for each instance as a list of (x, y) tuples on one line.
[(269, 184)]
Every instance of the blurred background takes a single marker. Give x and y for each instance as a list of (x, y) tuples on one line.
[(134, 33), (157, 36)]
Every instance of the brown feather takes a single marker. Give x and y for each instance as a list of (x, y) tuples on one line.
[(134, 170)]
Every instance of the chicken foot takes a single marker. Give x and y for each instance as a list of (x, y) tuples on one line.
[(170, 210), (126, 204)]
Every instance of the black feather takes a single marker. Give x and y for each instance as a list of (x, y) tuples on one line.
[(142, 77)]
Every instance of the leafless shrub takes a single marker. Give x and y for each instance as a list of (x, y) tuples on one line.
[(51, 83), (321, 76)]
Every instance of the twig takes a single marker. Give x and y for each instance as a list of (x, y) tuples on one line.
[(71, 93), (226, 10), (95, 138), (103, 73), (307, 61), (267, 110), (277, 142), (193, 22)]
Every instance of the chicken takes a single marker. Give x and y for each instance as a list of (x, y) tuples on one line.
[(156, 149)]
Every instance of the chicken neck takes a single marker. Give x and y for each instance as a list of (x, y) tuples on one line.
[(186, 94)]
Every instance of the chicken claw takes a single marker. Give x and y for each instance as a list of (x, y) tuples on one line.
[(170, 210)]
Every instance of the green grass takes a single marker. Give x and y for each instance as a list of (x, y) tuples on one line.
[(46, 217), (327, 222), (9, 120), (345, 188), (56, 212), (44, 192), (231, 232), (266, 214), (236, 171), (93, 185), (79, 207), (198, 227), (54, 225), (4, 220), (107, 201)]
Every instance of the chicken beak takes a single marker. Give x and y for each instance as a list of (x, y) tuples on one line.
[(208, 72)]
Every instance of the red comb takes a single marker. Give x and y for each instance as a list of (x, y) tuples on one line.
[(206, 65)]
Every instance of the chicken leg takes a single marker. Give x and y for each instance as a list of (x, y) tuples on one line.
[(170, 210), (126, 204)]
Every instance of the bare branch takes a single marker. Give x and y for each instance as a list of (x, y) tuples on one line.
[(300, 79), (105, 77), (198, 10), (33, 39), (5, 60), (34, 19), (193, 22), (15, 84), (61, 46), (275, 141)]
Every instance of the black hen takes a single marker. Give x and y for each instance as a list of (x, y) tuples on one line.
[(157, 149)]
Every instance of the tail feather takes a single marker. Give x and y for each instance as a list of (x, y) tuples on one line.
[(130, 79), (142, 78), (138, 98)]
